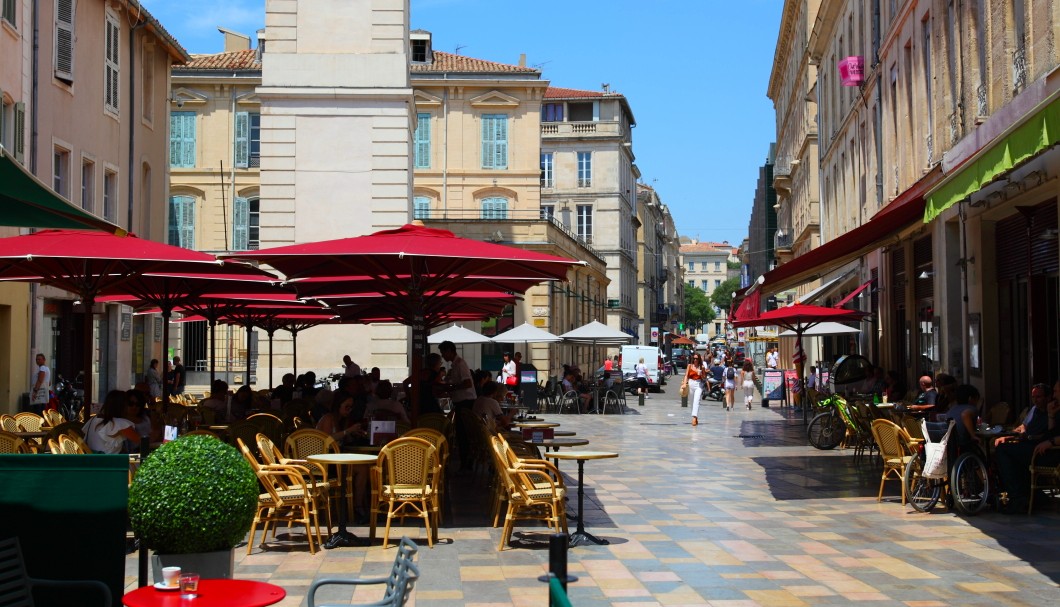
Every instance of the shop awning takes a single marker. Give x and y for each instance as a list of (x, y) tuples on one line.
[(1039, 132), (902, 212), (822, 290), (25, 202)]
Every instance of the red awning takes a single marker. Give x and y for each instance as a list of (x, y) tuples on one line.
[(854, 293), (903, 211)]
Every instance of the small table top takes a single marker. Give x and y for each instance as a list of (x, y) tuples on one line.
[(343, 458), (536, 424), (23, 434), (559, 433), (582, 455), (212, 593), (884, 405), (560, 442)]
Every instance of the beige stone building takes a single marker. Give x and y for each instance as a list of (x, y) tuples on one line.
[(477, 159), (84, 108), (658, 269), (938, 186), (706, 266)]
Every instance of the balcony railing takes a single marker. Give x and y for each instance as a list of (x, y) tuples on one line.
[(581, 129), (782, 240)]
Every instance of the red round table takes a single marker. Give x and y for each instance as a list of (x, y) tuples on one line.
[(212, 593)]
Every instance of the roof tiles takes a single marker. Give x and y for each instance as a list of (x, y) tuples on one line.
[(234, 60), (448, 62)]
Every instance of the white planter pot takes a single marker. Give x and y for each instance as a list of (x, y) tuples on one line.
[(209, 565)]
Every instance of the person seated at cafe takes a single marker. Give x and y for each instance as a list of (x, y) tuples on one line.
[(925, 400), (480, 377), (1014, 457), (308, 385), (964, 413), (217, 401), (946, 385), (285, 391), (487, 406), (112, 429), (1035, 421), (571, 384), (608, 382), (341, 425), (893, 389), (878, 381), (384, 402), (147, 425), (432, 384), (242, 402)]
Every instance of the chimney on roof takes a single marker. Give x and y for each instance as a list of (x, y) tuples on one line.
[(522, 59), (261, 43), (234, 41)]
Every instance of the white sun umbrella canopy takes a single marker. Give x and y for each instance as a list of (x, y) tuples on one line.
[(458, 335), (596, 333), (526, 333), (824, 328)]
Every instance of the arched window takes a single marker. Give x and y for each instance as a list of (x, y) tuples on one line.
[(182, 221), (421, 207), (495, 208)]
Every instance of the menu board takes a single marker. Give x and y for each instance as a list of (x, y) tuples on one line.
[(791, 379), (773, 384)]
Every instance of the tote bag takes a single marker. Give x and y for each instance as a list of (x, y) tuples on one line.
[(935, 453)]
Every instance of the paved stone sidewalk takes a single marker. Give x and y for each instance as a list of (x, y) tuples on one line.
[(737, 511)]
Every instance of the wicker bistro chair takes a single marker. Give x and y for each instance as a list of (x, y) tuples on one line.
[(53, 417), (302, 443), (532, 495), (1044, 477), (53, 447), (896, 449), (569, 400), (437, 439), (291, 496), (401, 484), (245, 431), (29, 422), (8, 423), (269, 425), (72, 445), (9, 443), (998, 414), (611, 400), (517, 454), (434, 421), (399, 583)]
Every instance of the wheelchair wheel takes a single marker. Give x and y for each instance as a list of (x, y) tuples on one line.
[(826, 430), (969, 483), (922, 493)]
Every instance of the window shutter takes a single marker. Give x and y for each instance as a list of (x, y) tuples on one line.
[(174, 221), (19, 138), (175, 133), (501, 146), (9, 12), (64, 39), (242, 139), (423, 141), (487, 141), (240, 224), (111, 69), (187, 222)]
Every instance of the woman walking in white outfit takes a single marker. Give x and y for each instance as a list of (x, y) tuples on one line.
[(747, 378), (729, 376), (695, 374)]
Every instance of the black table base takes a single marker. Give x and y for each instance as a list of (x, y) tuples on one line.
[(581, 536)]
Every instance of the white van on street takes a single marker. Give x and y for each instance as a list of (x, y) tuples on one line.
[(631, 355)]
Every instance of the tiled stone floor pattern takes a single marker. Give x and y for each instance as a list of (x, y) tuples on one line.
[(700, 516)]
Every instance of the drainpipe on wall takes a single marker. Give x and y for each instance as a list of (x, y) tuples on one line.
[(445, 147), (34, 92), (879, 101), (131, 181)]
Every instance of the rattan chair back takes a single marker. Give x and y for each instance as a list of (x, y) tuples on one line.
[(895, 447), (71, 446), (52, 417), (269, 425), (9, 443), (434, 421), (401, 484), (29, 422), (8, 423), (309, 441)]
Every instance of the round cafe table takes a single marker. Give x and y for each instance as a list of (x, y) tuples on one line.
[(535, 425), (556, 443), (581, 535), (343, 538), (212, 593)]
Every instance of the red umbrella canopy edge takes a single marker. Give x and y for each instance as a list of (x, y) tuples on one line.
[(791, 317), (410, 250)]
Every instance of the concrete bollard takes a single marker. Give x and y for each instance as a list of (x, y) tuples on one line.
[(640, 399)]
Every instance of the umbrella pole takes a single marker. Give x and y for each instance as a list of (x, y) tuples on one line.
[(166, 314), (213, 350), (294, 349), (86, 325), (270, 358), (250, 332)]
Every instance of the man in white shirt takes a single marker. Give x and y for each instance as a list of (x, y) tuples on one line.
[(461, 389), (772, 358), (350, 368), (40, 395)]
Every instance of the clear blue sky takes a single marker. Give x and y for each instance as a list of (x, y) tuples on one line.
[(695, 73)]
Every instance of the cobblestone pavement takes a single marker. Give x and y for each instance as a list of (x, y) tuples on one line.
[(737, 511)]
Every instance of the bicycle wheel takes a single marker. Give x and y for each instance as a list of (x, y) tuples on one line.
[(921, 493), (969, 483), (826, 430)]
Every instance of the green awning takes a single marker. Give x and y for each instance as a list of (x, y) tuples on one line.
[(1027, 140), (25, 202)]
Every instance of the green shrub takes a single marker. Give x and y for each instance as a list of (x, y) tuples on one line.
[(194, 494)]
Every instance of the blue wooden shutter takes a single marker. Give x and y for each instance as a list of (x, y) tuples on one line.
[(182, 139), (501, 146), (423, 141), (182, 221), (174, 221), (421, 207), (20, 132), (242, 139), (241, 224), (487, 141), (495, 208)]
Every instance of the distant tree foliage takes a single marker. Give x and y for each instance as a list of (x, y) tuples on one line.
[(698, 309), (722, 295)]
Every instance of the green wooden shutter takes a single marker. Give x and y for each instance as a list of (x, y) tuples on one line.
[(64, 39), (173, 236), (19, 138), (187, 223), (423, 141), (487, 141), (241, 225), (501, 146), (242, 139)]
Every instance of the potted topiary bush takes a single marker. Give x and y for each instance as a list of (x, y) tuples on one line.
[(192, 501)]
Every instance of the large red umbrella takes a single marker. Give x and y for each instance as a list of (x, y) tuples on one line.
[(90, 263), (799, 318)]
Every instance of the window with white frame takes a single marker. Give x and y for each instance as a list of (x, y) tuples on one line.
[(88, 185), (585, 169), (494, 141), (248, 139), (110, 195), (8, 12), (548, 212), (182, 139), (547, 168), (421, 207), (585, 223), (692, 283), (691, 266), (422, 143), (64, 40), (246, 224), (703, 285), (495, 208), (551, 112), (147, 82), (111, 70), (61, 172), (717, 283), (253, 223), (182, 221), (717, 266)]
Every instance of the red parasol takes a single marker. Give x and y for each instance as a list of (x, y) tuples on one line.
[(91, 263)]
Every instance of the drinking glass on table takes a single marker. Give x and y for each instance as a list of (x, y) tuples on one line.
[(189, 585)]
